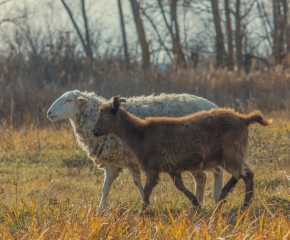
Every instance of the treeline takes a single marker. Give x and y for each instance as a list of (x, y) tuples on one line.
[(238, 56), (29, 86)]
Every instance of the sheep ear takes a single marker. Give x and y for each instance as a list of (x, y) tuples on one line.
[(116, 104), (82, 99)]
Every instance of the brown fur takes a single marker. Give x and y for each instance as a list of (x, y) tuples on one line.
[(199, 141)]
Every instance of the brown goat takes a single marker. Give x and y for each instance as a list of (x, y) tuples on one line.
[(199, 141)]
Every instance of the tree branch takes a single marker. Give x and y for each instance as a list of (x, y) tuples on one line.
[(165, 20), (266, 30), (88, 46), (248, 10), (75, 24), (2, 3), (157, 32)]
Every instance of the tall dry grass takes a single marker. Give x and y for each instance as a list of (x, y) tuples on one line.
[(29, 85), (50, 190)]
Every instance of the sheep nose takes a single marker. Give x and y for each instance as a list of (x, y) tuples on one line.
[(48, 113)]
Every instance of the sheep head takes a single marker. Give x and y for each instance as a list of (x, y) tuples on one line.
[(67, 106)]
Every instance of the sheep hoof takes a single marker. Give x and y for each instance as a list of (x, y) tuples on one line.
[(100, 211)]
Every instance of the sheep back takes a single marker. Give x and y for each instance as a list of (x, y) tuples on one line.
[(109, 149)]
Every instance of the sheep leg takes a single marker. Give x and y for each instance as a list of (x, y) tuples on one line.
[(176, 177), (200, 180), (228, 187), (249, 182), (111, 174), (137, 181), (218, 174), (151, 181)]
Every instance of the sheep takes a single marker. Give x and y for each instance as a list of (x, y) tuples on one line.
[(108, 152), (200, 141)]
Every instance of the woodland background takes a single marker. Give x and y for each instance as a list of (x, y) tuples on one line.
[(232, 52), (235, 53)]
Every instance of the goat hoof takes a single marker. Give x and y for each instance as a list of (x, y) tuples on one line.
[(222, 201), (246, 204), (144, 212), (197, 207)]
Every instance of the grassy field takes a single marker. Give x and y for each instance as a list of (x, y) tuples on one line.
[(49, 189)]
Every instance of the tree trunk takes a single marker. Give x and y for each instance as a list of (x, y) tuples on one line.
[(285, 24), (281, 36), (239, 37), (277, 30), (177, 48), (141, 34), (124, 35), (86, 44), (220, 48), (230, 38), (88, 41)]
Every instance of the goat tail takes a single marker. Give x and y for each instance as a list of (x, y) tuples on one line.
[(256, 116)]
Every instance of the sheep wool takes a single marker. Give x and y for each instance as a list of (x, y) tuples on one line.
[(109, 149)]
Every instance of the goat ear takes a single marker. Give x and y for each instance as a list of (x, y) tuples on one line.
[(82, 99), (116, 104)]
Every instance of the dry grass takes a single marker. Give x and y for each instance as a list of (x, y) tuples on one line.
[(27, 90), (50, 190)]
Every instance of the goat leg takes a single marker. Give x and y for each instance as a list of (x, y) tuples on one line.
[(249, 182), (152, 178), (228, 187), (176, 177)]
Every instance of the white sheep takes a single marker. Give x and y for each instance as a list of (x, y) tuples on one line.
[(109, 152)]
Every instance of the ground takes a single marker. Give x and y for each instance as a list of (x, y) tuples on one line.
[(49, 189)]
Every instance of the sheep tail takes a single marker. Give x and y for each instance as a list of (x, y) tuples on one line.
[(256, 116)]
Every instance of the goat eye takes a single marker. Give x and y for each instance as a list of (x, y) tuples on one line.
[(68, 100)]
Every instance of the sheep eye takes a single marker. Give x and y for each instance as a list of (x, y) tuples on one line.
[(68, 100)]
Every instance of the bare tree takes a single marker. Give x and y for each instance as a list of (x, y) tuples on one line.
[(124, 35), (160, 39), (281, 29), (174, 32), (276, 13), (241, 33), (265, 22), (84, 40), (220, 48), (11, 16), (177, 48), (141, 35), (239, 36), (286, 27), (230, 38), (88, 42)]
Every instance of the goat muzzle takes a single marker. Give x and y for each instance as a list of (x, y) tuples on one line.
[(96, 134)]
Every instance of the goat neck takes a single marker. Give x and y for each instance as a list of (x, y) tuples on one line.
[(130, 128)]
